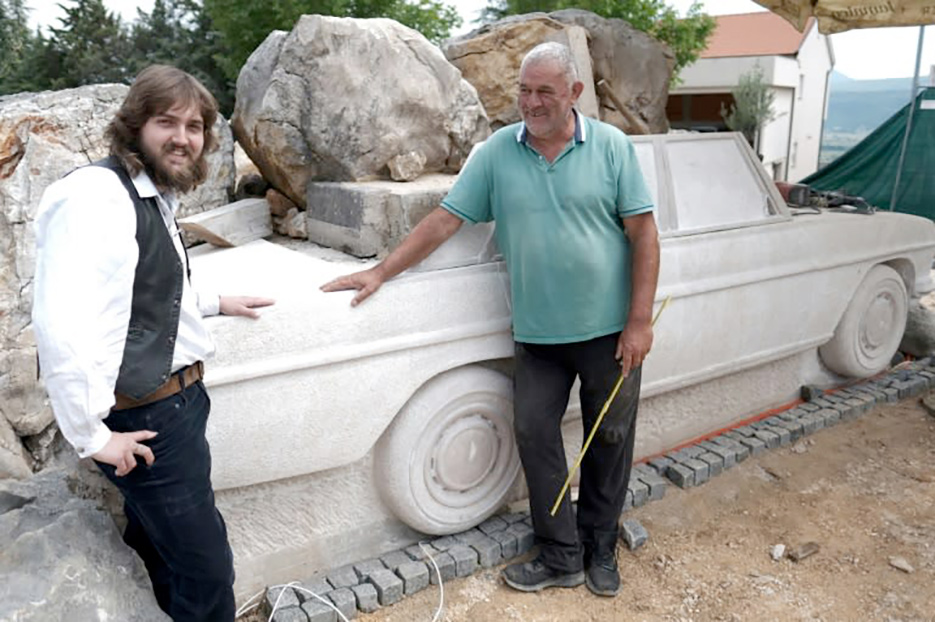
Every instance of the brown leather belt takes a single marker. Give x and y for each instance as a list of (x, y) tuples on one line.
[(176, 383)]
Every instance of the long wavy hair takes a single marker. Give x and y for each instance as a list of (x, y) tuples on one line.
[(155, 90)]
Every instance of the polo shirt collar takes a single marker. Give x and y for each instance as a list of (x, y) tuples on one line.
[(580, 130)]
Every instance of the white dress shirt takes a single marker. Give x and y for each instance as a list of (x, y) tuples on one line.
[(86, 257)]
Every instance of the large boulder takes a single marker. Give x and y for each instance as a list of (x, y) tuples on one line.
[(63, 558), (341, 99), (490, 58), (43, 136), (635, 69), (628, 71)]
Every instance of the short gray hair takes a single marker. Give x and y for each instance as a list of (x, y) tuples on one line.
[(557, 53)]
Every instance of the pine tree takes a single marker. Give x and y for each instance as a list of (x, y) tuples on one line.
[(91, 46)]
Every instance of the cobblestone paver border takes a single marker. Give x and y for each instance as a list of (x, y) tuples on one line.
[(366, 586)]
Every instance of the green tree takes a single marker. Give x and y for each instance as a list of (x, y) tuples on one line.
[(752, 107), (244, 24), (14, 39), (90, 47), (180, 33), (687, 36)]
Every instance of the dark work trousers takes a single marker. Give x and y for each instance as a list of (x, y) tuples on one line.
[(543, 379), (172, 521)]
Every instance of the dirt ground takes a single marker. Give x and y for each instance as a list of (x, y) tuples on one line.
[(863, 490)]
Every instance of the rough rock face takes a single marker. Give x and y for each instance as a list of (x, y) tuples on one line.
[(63, 558), (636, 67), (340, 99), (490, 58), (43, 136), (919, 338)]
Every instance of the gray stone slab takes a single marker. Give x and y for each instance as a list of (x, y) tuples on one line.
[(633, 533), (727, 455), (732, 439), (785, 437), (365, 568), (656, 483), (525, 537), (272, 599), (809, 407), (466, 561), (370, 218), (755, 445), (628, 500), (692, 451), (639, 490), (700, 468), (796, 428), (394, 559), (366, 595), (765, 434), (715, 463), (289, 614), (415, 576), (660, 464), (493, 525), (514, 517), (508, 543), (444, 543), (418, 553), (315, 585), (488, 551), (681, 475), (469, 536), (317, 611), (345, 601), (389, 587), (345, 576), (444, 565)]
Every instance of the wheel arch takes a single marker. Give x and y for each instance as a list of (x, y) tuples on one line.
[(906, 271)]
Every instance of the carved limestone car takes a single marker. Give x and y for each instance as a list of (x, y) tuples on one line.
[(418, 376)]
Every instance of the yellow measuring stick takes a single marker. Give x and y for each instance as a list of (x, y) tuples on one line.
[(597, 424)]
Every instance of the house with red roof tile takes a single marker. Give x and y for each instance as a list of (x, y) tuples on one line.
[(796, 66)]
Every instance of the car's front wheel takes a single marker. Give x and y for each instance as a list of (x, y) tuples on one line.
[(449, 460), (871, 328)]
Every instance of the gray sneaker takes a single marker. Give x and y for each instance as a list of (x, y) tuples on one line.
[(533, 576), (602, 576)]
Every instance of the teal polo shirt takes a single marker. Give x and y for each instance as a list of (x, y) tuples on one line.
[(559, 226)]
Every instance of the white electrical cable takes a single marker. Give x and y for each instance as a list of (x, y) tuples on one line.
[(441, 584), (247, 606)]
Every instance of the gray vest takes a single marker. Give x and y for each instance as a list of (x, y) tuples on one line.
[(157, 297)]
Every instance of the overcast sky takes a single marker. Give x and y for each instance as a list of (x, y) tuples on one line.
[(860, 54)]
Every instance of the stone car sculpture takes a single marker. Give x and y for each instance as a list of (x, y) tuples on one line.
[(420, 374)]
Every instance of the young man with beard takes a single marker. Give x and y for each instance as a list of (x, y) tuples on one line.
[(575, 226), (122, 342)]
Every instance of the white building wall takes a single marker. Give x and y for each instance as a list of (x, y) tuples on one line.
[(815, 64), (774, 137), (790, 143)]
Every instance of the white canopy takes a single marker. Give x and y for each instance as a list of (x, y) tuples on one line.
[(840, 15)]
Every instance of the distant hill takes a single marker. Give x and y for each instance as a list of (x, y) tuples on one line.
[(856, 108), (843, 84), (862, 105)]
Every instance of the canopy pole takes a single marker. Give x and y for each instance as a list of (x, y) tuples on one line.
[(912, 108)]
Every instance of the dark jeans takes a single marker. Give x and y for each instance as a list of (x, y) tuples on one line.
[(172, 521), (543, 379)]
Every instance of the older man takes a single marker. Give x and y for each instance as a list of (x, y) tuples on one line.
[(575, 225), (121, 338)]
